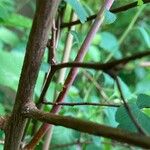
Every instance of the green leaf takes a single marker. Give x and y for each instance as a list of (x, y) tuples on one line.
[(110, 114), (108, 80), (45, 67), (59, 86), (8, 37), (126, 123), (145, 35), (73, 91), (6, 7), (66, 136), (2, 110), (77, 37), (126, 91), (140, 2), (109, 17), (10, 68), (110, 44), (143, 86), (93, 54), (143, 101), (79, 9), (17, 20)]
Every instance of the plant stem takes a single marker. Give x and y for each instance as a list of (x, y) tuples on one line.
[(129, 28), (90, 128), (116, 10), (42, 23), (95, 27)]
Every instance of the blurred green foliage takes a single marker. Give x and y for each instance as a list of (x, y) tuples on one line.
[(15, 26)]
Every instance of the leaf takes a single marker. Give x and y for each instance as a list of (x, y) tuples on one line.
[(140, 2), (45, 67), (108, 80), (8, 37), (126, 91), (2, 110), (143, 86), (145, 35), (110, 113), (110, 44), (6, 7), (17, 20), (109, 17), (79, 9), (63, 135), (73, 91), (143, 101), (10, 68), (59, 86), (93, 54), (77, 38), (126, 123)]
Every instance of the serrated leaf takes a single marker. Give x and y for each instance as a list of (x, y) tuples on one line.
[(109, 17), (143, 101), (79, 9)]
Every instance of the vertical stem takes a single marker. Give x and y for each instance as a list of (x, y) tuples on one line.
[(61, 77), (94, 28), (42, 23)]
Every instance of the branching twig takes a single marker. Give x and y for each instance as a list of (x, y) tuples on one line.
[(127, 107), (72, 74), (82, 104), (107, 66), (116, 10), (89, 127), (42, 23)]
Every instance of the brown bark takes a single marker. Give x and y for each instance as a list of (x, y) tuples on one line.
[(38, 38), (90, 127)]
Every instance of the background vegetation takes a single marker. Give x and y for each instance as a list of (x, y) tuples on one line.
[(122, 34)]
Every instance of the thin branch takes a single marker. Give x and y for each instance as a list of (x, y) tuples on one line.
[(106, 66), (128, 109), (89, 127), (82, 104), (96, 84), (45, 86), (73, 73), (115, 10)]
